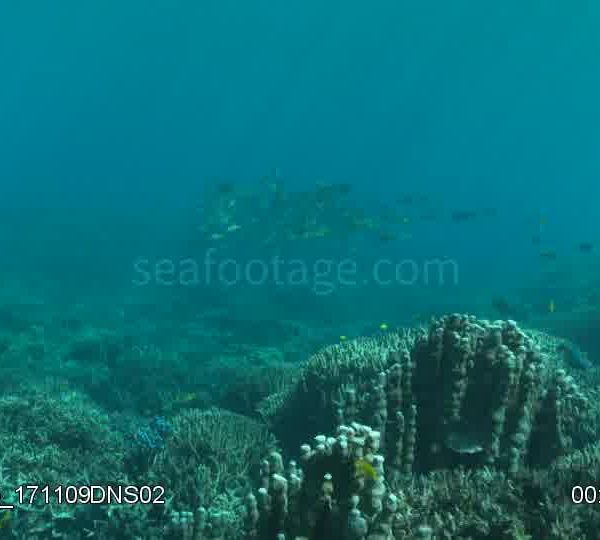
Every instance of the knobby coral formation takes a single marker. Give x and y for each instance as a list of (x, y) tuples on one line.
[(466, 395), (465, 392)]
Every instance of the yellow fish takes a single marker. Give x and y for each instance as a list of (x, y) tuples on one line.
[(551, 306), (364, 469), (383, 326), (343, 338)]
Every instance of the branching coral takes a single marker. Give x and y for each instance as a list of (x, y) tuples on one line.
[(205, 466)]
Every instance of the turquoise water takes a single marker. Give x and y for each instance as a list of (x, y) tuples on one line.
[(119, 106)]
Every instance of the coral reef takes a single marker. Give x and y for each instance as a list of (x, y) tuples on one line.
[(467, 429), (464, 392), (330, 494), (311, 404), (208, 452), (445, 433), (205, 467), (54, 438)]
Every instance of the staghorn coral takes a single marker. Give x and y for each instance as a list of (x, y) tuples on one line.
[(55, 438), (311, 404), (205, 466), (250, 389)]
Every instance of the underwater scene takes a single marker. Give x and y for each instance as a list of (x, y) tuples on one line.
[(310, 270)]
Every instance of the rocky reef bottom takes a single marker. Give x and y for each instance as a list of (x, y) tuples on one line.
[(465, 429)]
